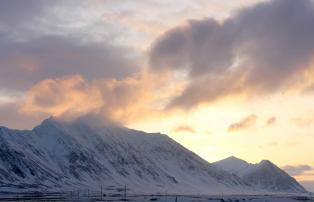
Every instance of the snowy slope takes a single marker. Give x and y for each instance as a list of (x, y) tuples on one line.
[(264, 175), (60, 155)]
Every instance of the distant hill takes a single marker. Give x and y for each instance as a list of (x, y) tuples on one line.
[(264, 175)]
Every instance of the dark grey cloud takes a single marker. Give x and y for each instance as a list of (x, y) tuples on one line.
[(24, 63), (263, 48), (36, 44), (199, 46), (208, 88), (297, 170), (15, 12)]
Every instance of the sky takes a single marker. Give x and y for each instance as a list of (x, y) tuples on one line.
[(220, 77)]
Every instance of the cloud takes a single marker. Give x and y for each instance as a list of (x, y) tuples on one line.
[(208, 88), (41, 40), (271, 121), (13, 12), (12, 117), (184, 128), (302, 122), (261, 49), (116, 100), (52, 57), (71, 95), (297, 170), (243, 124)]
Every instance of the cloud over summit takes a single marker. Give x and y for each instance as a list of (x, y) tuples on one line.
[(73, 96)]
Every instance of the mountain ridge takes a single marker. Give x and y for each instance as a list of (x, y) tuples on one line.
[(66, 155), (73, 154)]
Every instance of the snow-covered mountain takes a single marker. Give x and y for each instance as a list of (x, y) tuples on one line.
[(264, 175), (58, 155)]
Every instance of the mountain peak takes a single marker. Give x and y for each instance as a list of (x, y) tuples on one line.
[(266, 163), (234, 158), (47, 123), (232, 164)]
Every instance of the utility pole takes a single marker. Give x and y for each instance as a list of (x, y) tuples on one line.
[(124, 192), (101, 192)]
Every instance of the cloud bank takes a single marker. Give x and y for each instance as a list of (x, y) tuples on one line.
[(265, 48), (52, 57), (297, 170)]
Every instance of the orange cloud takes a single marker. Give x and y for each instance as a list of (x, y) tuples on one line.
[(301, 122), (127, 99), (71, 95), (184, 128), (271, 121), (132, 98), (243, 124)]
